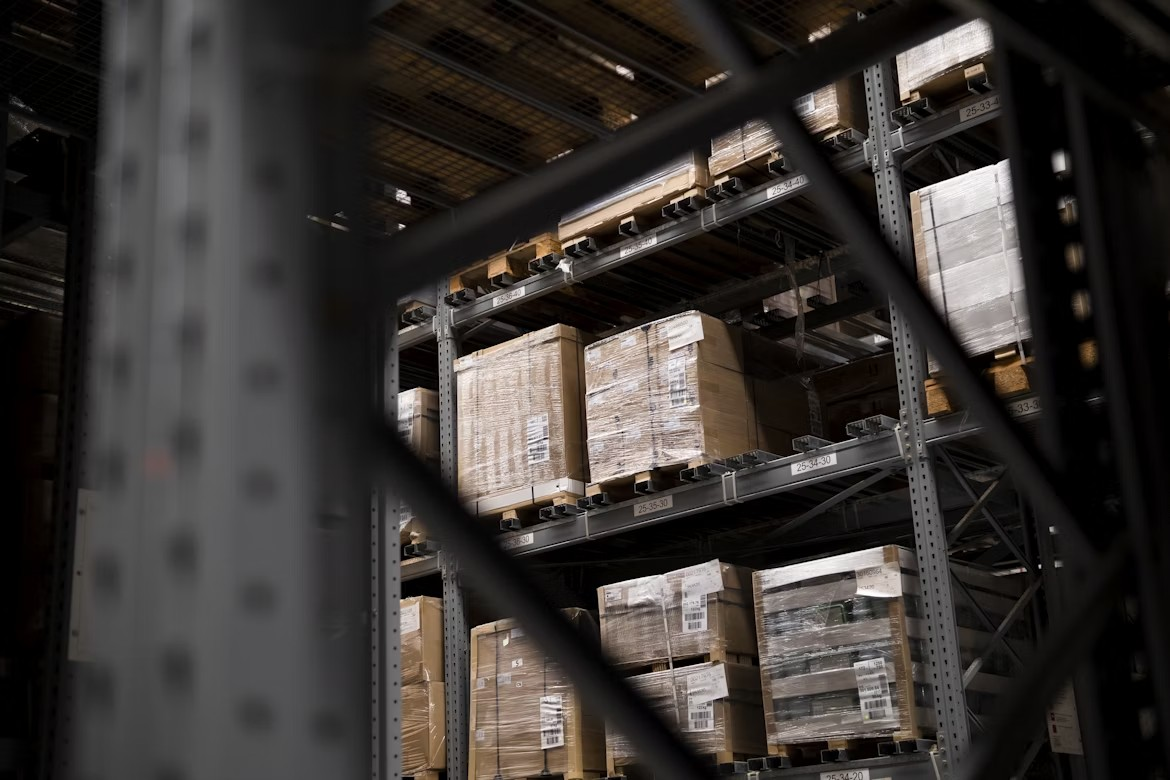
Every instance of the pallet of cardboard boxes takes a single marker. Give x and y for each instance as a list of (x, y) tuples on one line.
[(527, 718), (424, 728), (521, 437), (418, 425), (687, 641)]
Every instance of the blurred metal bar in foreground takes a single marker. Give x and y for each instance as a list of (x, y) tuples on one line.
[(228, 584)]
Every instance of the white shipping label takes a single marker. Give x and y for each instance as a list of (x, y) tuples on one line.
[(815, 463), (676, 373), (704, 578), (408, 620), (803, 106), (480, 735), (649, 591), (481, 682), (638, 246), (694, 613), (613, 595), (873, 690), (1064, 727), (552, 722), (517, 663), (683, 331), (846, 774), (700, 715), (537, 439), (405, 415), (882, 582), (504, 679), (516, 633), (707, 685)]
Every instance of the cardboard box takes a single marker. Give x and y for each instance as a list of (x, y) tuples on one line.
[(715, 707), (520, 428), (526, 717), (967, 250), (674, 391), (424, 728), (418, 422), (835, 106), (842, 642), (699, 611), (949, 53), (421, 637)]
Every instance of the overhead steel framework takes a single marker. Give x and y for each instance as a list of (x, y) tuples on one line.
[(236, 441)]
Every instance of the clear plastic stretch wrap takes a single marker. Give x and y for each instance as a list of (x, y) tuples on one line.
[(665, 393), (418, 424), (835, 652), (424, 728), (421, 638), (968, 254), (681, 614), (832, 107), (653, 189), (520, 421), (715, 706), (951, 51), (526, 716)]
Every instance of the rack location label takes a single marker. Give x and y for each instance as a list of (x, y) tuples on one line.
[(978, 109), (653, 505), (515, 294), (523, 540), (786, 186), (815, 463), (638, 246)]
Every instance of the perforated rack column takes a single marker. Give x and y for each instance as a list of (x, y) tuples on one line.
[(930, 537), (230, 616), (456, 658)]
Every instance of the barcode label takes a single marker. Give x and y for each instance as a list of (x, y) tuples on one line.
[(803, 106), (676, 372), (700, 715), (537, 439), (694, 613), (873, 690), (552, 722)]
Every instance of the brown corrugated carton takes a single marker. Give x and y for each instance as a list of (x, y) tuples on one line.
[(424, 728), (520, 427), (699, 611), (421, 636), (526, 717), (418, 422), (715, 706)]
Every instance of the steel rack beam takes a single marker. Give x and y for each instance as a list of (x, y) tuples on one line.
[(790, 473), (485, 223), (911, 137)]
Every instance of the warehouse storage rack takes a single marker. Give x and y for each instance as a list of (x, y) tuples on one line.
[(235, 374)]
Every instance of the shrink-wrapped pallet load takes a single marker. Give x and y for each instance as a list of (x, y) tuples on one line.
[(674, 391), (521, 432), (527, 718), (703, 610), (967, 250), (423, 723), (944, 57), (418, 425)]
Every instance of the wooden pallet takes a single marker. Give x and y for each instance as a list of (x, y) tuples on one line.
[(429, 774), (522, 514), (503, 269), (642, 483), (630, 769), (833, 750), (965, 79), (682, 662), (1008, 372)]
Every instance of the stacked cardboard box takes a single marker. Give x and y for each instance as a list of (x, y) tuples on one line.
[(527, 719), (675, 391), (949, 53), (424, 731), (418, 425), (521, 433), (835, 106), (843, 642), (667, 622), (968, 254)]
